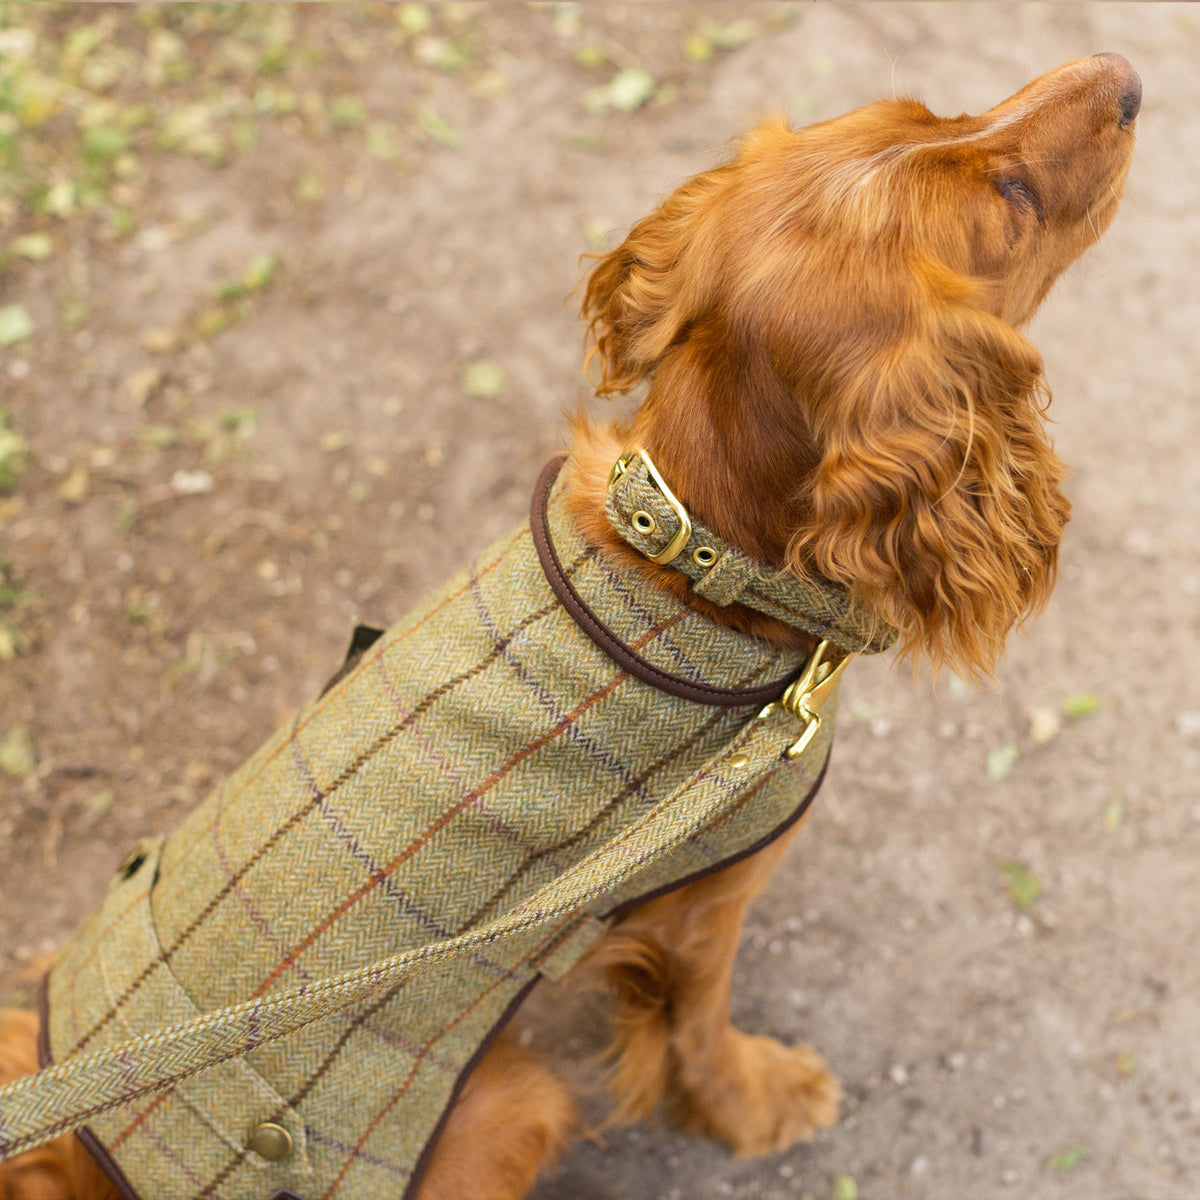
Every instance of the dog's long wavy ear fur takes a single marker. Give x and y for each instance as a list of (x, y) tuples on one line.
[(640, 295), (937, 500)]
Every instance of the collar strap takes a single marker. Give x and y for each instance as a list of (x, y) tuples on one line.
[(649, 517), (623, 655)]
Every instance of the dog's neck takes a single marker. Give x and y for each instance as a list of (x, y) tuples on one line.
[(597, 447)]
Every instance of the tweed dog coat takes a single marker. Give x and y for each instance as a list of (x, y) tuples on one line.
[(480, 748)]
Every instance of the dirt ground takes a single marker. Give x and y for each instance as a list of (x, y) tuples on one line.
[(281, 298)]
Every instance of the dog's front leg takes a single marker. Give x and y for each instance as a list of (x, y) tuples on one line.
[(513, 1119), (668, 963)]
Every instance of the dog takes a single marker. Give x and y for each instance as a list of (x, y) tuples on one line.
[(827, 326)]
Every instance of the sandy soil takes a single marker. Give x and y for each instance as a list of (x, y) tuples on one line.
[(218, 486)]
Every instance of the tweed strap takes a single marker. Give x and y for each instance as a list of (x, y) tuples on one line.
[(65, 1096), (644, 512)]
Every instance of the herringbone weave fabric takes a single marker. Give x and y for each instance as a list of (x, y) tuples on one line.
[(432, 803)]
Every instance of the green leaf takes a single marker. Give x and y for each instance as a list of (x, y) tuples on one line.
[(436, 126), (36, 247), (1001, 761), (14, 455), (590, 57), (630, 88), (158, 437), (844, 1188), (1068, 1160), (736, 33), (1081, 704), (261, 272), (17, 755), (1114, 811), (1023, 886), (103, 143), (414, 18), (348, 112), (484, 379), (15, 324)]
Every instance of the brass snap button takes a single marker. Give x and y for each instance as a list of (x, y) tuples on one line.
[(271, 1141), (642, 521), (739, 760)]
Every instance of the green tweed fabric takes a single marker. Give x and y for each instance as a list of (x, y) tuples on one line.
[(483, 787)]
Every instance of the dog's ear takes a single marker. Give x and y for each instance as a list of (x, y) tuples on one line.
[(936, 498), (640, 296)]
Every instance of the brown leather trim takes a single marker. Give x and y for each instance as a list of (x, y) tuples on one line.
[(704, 872), (629, 660), (90, 1142)]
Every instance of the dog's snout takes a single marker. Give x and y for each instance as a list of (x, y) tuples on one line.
[(1129, 98)]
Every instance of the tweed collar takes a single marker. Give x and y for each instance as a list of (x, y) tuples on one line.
[(643, 511), (651, 634)]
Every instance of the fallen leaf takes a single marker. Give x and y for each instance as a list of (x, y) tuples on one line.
[(1044, 724), (436, 126), (74, 488), (36, 247), (142, 384), (160, 341), (261, 272), (414, 18), (1001, 761), (14, 455), (1068, 1160), (158, 437), (1081, 704), (1113, 812), (1023, 886), (485, 380), (15, 324), (100, 802), (347, 112), (844, 1188), (735, 33), (17, 755), (60, 200), (630, 88), (103, 143), (590, 57), (191, 483)]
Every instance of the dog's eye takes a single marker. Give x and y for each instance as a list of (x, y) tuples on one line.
[(1021, 195)]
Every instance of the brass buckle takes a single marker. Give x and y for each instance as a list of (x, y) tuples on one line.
[(806, 696), (680, 539)]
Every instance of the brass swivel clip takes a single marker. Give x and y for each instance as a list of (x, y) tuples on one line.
[(807, 695)]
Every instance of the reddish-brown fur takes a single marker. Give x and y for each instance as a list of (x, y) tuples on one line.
[(827, 326)]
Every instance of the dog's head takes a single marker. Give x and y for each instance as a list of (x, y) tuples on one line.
[(828, 323)]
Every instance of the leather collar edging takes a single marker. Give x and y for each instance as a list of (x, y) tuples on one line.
[(630, 660)]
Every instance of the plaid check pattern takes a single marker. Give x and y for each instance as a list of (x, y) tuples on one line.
[(482, 748)]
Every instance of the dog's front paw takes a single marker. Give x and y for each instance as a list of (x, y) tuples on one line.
[(762, 1097)]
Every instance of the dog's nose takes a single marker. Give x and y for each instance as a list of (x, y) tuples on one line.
[(1130, 82)]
